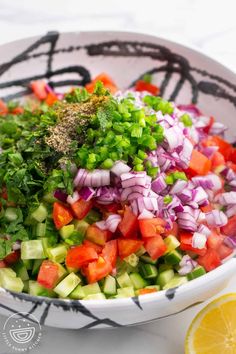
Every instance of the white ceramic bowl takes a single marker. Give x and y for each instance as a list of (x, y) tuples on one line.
[(184, 75)]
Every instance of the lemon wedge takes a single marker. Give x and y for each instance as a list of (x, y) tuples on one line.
[(213, 330)]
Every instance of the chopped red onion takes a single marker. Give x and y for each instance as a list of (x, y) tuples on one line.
[(203, 229), (60, 195), (230, 211), (200, 196), (227, 198), (187, 264), (217, 128), (209, 151), (133, 179), (145, 214), (178, 186), (112, 222), (230, 241), (74, 198), (190, 108), (185, 154), (101, 225), (159, 184), (96, 178), (119, 168), (199, 240), (87, 193), (216, 218)]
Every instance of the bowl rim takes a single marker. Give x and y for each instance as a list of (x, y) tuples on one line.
[(157, 296)]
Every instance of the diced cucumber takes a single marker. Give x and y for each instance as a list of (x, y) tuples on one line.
[(36, 266), (7, 272), (99, 296), (32, 249), (90, 289), (164, 267), (81, 226), (28, 263), (147, 259), (77, 293), (141, 251), (132, 260), (173, 257), (164, 277), (137, 281), (196, 272), (10, 282), (156, 287), (57, 254), (11, 214), (45, 243), (66, 231), (40, 213), (36, 289), (171, 242), (148, 271), (21, 270), (123, 267), (49, 198), (40, 229), (109, 286), (175, 281), (92, 217), (126, 292), (67, 285), (26, 286), (124, 280)]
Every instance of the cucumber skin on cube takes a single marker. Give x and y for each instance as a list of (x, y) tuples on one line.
[(175, 282), (36, 266), (21, 270), (124, 280), (28, 263), (125, 292), (81, 226), (148, 271), (67, 285), (40, 229), (141, 251), (196, 273), (171, 242), (57, 254), (164, 277), (99, 296), (40, 213), (32, 249), (137, 281), (66, 231), (109, 286), (173, 257), (35, 289)]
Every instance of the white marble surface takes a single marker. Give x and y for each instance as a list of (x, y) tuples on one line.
[(207, 24)]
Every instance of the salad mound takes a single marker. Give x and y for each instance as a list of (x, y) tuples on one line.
[(107, 194)]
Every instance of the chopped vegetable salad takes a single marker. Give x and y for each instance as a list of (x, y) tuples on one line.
[(107, 194)]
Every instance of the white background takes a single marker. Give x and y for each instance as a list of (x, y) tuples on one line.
[(209, 25)]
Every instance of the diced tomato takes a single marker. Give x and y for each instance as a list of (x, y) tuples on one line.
[(152, 227), (81, 208), (232, 165), (128, 246), (106, 80), (96, 247), (210, 260), (80, 255), (51, 98), (174, 231), (206, 208), (49, 274), (199, 163), (17, 110), (146, 291), (142, 85), (96, 235), (214, 240), (225, 148), (128, 225), (39, 89), (217, 160), (232, 156), (3, 108), (12, 257), (155, 246), (109, 208), (230, 228), (98, 270), (61, 215), (3, 264), (186, 244), (110, 251)]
